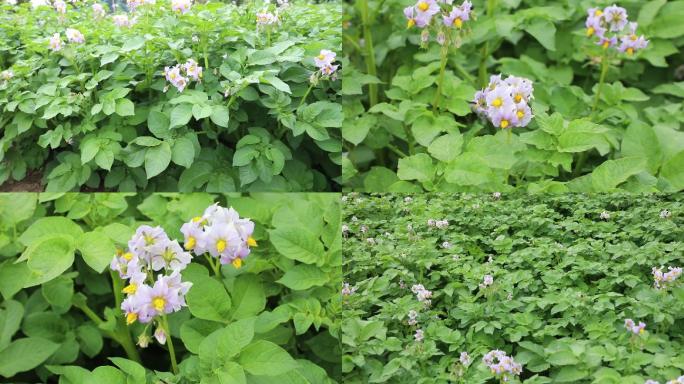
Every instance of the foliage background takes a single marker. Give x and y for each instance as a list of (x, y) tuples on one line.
[(573, 279), (55, 251), (394, 141), (96, 115)]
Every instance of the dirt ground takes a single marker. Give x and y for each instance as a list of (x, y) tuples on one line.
[(31, 183)]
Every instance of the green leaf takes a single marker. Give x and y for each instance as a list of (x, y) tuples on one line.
[(125, 107), (468, 169), (158, 124), (208, 299), (89, 149), (569, 375), (296, 244), (446, 148), (133, 44), (276, 83), (249, 297), (220, 115), (10, 321), (201, 111), (355, 131), (673, 171), (133, 370), (417, 167), (105, 159), (612, 173), (50, 226), (180, 115), (12, 278), (97, 250), (303, 276), (226, 343), (25, 354), (48, 258), (194, 331), (157, 159), (545, 33), (183, 152), (263, 358)]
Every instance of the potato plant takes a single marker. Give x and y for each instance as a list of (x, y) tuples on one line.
[(602, 106), (171, 96), (120, 288), (492, 288)]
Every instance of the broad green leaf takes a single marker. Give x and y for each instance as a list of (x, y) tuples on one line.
[(50, 226), (183, 152), (25, 354), (263, 358), (48, 258), (208, 299), (97, 250), (157, 159), (249, 297), (296, 244), (612, 173), (180, 115), (302, 276), (673, 171), (417, 167)]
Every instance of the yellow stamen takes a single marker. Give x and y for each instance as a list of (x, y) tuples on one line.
[(423, 6), (131, 318), (520, 114), (411, 23), (518, 98), (128, 256), (321, 57), (606, 45), (634, 37), (630, 51), (641, 331), (237, 263), (497, 102), (504, 124), (130, 289), (458, 22), (221, 245), (190, 244), (197, 219), (590, 31), (598, 12), (251, 242), (159, 303)]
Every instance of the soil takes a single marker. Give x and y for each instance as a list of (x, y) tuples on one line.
[(32, 183)]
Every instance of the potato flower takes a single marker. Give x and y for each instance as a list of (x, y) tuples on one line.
[(636, 329), (74, 36), (613, 29), (221, 233), (55, 43), (182, 6), (122, 21), (505, 103), (502, 365), (423, 13), (666, 279), (98, 10), (60, 6)]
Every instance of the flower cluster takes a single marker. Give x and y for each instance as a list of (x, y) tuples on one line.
[(446, 245), (348, 290), (605, 215), (55, 42), (506, 102), (324, 62), (422, 294), (151, 252), (221, 233), (487, 280), (6, 75), (74, 36), (665, 214), (609, 26), (135, 4), (419, 336), (60, 6), (664, 280), (636, 329), (412, 317), (264, 17), (123, 21), (502, 365), (679, 380), (424, 11), (465, 359), (98, 10), (175, 74), (181, 6), (441, 224)]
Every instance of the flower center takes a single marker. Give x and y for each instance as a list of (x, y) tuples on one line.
[(630, 51), (130, 289), (423, 6), (504, 124), (458, 22), (237, 263), (149, 240), (411, 23), (159, 303), (518, 98), (221, 245), (497, 102), (131, 318), (521, 114), (128, 256), (590, 31), (321, 57), (251, 242), (633, 37), (598, 12), (190, 244)]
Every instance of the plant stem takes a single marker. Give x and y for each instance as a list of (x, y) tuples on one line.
[(169, 341), (370, 53), (602, 78), (124, 338), (440, 79), (305, 96)]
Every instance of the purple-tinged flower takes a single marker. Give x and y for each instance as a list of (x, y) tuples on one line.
[(651, 382), (456, 17), (266, 18), (122, 21), (419, 335), (98, 10), (605, 215), (636, 329), (74, 36), (504, 117), (181, 6), (170, 256), (465, 359), (325, 58), (160, 335), (594, 22), (502, 365), (412, 317), (126, 263), (616, 17), (60, 6), (347, 289), (665, 214), (55, 43), (410, 13), (7, 75), (193, 70)]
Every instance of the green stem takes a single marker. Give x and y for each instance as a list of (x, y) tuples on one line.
[(397, 151), (305, 96), (604, 71), (169, 341), (370, 53), (440, 79), (124, 338)]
